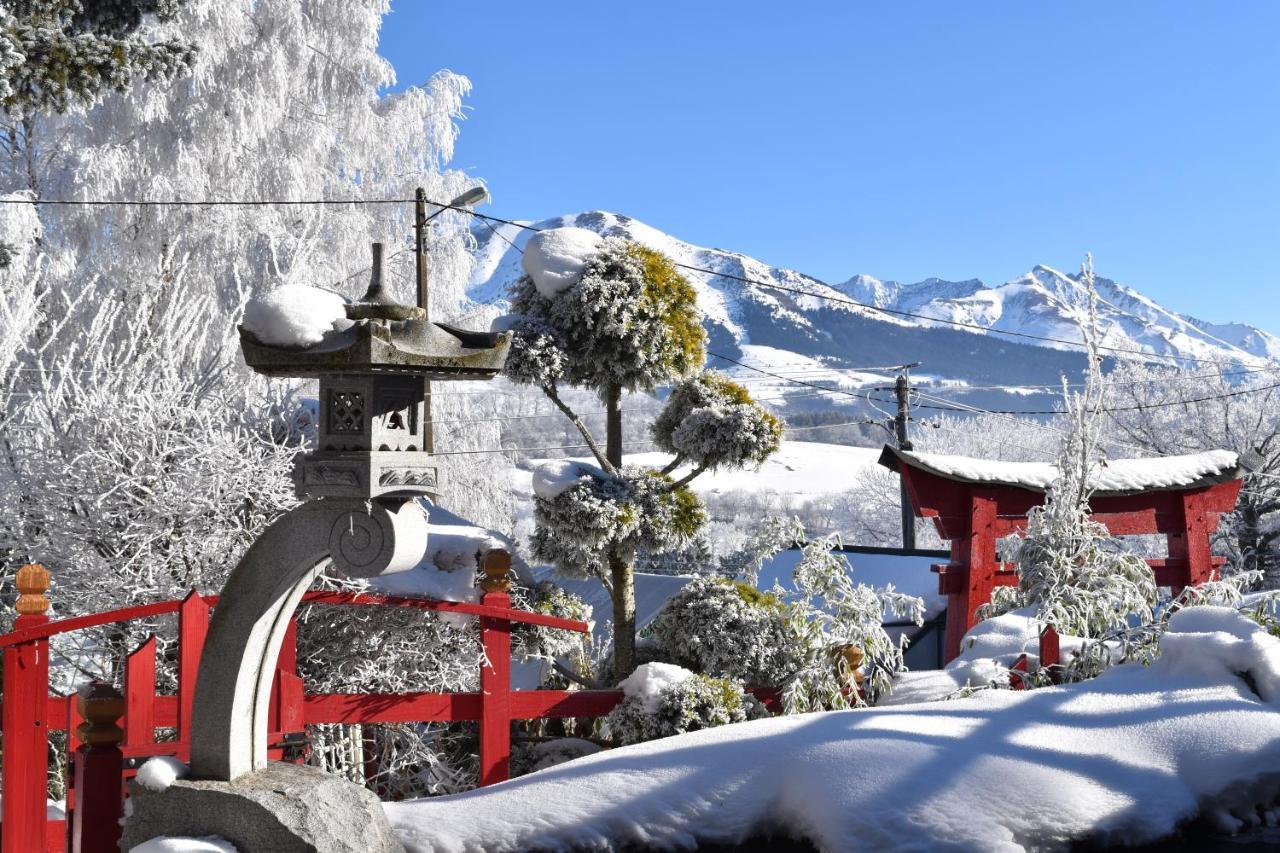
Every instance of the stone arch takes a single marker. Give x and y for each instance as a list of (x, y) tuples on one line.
[(233, 689)]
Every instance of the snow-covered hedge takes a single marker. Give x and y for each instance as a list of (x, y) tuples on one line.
[(664, 700)]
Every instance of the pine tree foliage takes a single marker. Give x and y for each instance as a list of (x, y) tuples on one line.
[(630, 321), (712, 422), (56, 55), (1068, 565), (637, 510)]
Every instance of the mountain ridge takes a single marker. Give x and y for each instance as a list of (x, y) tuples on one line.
[(812, 335)]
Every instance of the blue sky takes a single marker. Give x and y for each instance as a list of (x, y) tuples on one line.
[(903, 140)]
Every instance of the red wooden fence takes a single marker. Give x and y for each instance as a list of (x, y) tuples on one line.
[(30, 713)]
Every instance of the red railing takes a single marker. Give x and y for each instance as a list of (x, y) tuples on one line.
[(30, 713)]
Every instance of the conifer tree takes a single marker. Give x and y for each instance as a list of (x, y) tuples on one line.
[(621, 318)]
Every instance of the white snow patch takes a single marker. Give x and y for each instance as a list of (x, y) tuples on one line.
[(551, 479), (1123, 758), (295, 315), (160, 772), (554, 258), (205, 844), (805, 469), (1117, 475), (649, 680)]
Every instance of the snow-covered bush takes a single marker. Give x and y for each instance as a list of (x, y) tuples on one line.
[(629, 320), (833, 616), (663, 700), (729, 628)]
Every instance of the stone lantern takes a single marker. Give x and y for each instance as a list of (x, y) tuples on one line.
[(373, 427), (361, 514)]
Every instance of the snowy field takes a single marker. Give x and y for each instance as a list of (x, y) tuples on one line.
[(799, 468), (1124, 758)]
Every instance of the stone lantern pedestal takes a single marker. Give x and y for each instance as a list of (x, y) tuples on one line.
[(362, 488)]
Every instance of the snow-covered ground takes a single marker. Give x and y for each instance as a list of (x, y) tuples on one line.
[(1124, 758), (799, 468)]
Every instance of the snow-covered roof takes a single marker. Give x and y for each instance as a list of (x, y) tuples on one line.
[(1115, 476)]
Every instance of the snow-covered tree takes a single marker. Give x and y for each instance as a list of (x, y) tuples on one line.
[(140, 456), (1069, 567), (613, 316)]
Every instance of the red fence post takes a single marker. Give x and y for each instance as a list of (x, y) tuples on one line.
[(26, 731), (140, 692), (495, 672), (95, 827), (193, 625), (1050, 652)]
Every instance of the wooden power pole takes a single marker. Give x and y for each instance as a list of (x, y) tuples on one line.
[(424, 302), (902, 390)]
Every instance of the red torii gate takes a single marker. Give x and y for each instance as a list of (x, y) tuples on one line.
[(974, 502)]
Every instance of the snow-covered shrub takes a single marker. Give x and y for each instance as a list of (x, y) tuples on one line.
[(663, 700), (629, 320), (711, 421), (729, 628), (531, 757), (538, 642)]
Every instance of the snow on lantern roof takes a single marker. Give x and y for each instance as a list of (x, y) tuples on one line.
[(1115, 476)]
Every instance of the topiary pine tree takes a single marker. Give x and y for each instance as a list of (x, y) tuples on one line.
[(612, 316)]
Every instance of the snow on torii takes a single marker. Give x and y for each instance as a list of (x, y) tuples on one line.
[(975, 502)]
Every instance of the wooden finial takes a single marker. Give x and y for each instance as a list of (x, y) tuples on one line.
[(497, 571), (853, 658), (101, 705), (32, 581)]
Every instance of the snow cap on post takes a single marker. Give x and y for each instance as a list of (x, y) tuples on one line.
[(554, 258)]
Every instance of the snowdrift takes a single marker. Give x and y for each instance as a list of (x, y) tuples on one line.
[(1123, 758)]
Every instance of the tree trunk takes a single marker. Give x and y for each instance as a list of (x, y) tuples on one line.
[(613, 424), (624, 616), (621, 567)]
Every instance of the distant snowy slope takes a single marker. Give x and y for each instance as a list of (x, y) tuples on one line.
[(805, 335)]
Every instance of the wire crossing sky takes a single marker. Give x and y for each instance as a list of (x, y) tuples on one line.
[(901, 140)]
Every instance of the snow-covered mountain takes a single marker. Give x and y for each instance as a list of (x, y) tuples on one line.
[(828, 340)]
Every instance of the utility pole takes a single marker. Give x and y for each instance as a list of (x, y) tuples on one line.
[(424, 302), (902, 390)]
